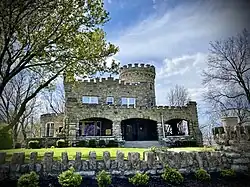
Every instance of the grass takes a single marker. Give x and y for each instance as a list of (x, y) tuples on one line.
[(85, 152)]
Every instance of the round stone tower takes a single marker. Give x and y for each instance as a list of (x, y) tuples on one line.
[(140, 73)]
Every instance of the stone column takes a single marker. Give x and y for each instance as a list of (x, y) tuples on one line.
[(160, 131), (116, 128), (72, 130)]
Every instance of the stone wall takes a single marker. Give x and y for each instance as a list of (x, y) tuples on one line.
[(56, 119), (150, 162)]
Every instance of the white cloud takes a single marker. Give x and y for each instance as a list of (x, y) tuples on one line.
[(177, 41), (181, 30), (109, 1)]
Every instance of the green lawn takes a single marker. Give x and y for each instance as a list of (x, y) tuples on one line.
[(85, 151)]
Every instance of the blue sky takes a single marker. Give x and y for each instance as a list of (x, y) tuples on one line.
[(174, 36)]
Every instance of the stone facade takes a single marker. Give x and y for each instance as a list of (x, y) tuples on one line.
[(137, 119)]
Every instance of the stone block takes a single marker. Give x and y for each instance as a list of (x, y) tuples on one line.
[(239, 168), (150, 159), (120, 159), (56, 167), (241, 161), (106, 159), (71, 163), (232, 155), (129, 173), (144, 165), (38, 168), (85, 165), (48, 162), (134, 159), (116, 172), (17, 158), (2, 158), (114, 164), (4, 171), (65, 158), (92, 160), (78, 161), (151, 172), (24, 168), (87, 173), (33, 157), (15, 168), (100, 165), (183, 159)]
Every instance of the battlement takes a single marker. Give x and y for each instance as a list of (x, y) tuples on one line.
[(138, 66), (108, 80), (112, 107)]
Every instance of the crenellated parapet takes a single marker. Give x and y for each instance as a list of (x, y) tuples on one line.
[(137, 73)]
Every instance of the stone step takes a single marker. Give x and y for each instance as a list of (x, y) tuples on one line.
[(142, 144)]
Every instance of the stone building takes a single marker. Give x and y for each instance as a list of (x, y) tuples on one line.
[(125, 109)]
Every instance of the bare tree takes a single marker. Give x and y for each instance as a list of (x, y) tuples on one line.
[(15, 92), (228, 76), (178, 96), (54, 99)]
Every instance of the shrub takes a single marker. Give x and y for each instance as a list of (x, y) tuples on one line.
[(103, 179), (61, 143), (5, 138), (227, 173), (69, 178), (102, 143), (112, 143), (92, 143), (28, 180), (172, 176), (34, 144), (52, 147), (202, 175), (18, 145), (139, 179), (82, 143)]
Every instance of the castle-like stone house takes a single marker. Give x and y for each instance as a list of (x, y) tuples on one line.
[(123, 108)]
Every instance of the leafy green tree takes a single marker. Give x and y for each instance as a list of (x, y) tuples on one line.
[(48, 38)]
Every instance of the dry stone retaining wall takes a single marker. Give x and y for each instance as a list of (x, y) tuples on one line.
[(150, 162)]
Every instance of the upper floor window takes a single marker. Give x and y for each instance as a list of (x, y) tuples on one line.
[(89, 100), (110, 100), (128, 101)]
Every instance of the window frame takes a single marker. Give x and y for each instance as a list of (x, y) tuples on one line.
[(90, 99), (127, 101), (110, 102)]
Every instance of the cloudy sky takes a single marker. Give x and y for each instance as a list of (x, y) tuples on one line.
[(174, 36)]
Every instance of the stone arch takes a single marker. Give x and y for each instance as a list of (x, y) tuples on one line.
[(177, 127), (95, 126), (139, 129)]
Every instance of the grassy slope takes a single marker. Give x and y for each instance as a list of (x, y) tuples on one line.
[(85, 152)]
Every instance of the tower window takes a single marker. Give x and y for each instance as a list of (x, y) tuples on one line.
[(110, 100), (128, 101), (89, 100)]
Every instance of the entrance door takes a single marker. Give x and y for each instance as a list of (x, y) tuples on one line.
[(137, 129)]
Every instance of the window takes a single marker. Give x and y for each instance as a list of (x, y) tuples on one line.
[(49, 129), (89, 100), (128, 101), (110, 100)]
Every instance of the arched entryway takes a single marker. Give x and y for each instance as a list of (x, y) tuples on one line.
[(95, 127), (138, 129), (177, 127)]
